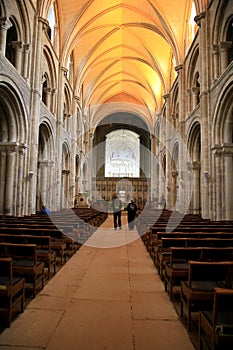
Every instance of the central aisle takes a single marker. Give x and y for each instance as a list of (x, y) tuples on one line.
[(103, 298)]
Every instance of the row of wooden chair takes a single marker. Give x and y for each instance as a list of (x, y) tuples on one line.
[(29, 246), (194, 259)]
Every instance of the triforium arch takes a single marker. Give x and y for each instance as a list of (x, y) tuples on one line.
[(223, 155), (13, 146), (194, 148), (46, 167)]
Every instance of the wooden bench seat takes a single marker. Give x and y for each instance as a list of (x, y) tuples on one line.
[(176, 269), (57, 238), (216, 324), (203, 277), (25, 263), (43, 244), (12, 291)]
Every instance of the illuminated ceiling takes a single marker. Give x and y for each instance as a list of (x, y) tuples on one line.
[(124, 51)]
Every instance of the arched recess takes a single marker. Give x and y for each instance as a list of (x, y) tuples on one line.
[(121, 121), (49, 80), (222, 35), (175, 107), (193, 83), (223, 154), (66, 109), (194, 147), (66, 200), (13, 146), (46, 168)]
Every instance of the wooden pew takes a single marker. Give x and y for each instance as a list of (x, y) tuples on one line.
[(167, 243), (203, 277), (176, 269), (216, 325), (25, 263), (57, 238), (12, 291), (43, 244)]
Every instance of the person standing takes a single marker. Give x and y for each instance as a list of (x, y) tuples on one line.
[(132, 210), (117, 206)]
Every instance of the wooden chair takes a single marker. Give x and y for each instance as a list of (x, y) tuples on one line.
[(177, 268), (203, 277), (25, 263), (11, 290), (216, 325)]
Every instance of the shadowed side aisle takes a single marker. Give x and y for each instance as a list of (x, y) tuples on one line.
[(109, 298)]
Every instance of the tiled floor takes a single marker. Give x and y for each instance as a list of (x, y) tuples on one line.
[(107, 296)]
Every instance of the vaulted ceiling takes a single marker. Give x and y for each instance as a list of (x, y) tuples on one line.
[(125, 51)]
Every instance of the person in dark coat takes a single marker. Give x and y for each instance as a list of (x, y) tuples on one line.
[(132, 210)]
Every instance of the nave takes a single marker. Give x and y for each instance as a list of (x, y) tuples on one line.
[(102, 298)]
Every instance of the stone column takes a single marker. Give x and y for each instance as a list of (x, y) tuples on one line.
[(2, 177), (196, 167), (26, 48), (10, 177), (5, 24), (18, 47), (218, 202), (19, 201), (48, 97), (169, 160), (204, 110), (35, 112), (215, 53), (195, 92), (173, 190), (228, 172), (44, 181), (181, 198), (224, 48)]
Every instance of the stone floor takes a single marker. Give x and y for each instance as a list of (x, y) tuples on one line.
[(107, 296)]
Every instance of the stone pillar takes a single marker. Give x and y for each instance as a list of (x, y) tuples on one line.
[(195, 92), (44, 181), (181, 198), (5, 24), (2, 177), (19, 200), (169, 160), (224, 48), (35, 113), (218, 171), (48, 97), (215, 53), (18, 47), (196, 167), (10, 178), (174, 189), (53, 100), (204, 110), (228, 172), (26, 48)]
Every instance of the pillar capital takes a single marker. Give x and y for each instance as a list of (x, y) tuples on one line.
[(9, 147), (179, 68), (5, 23), (198, 19), (44, 22), (225, 45), (18, 45)]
